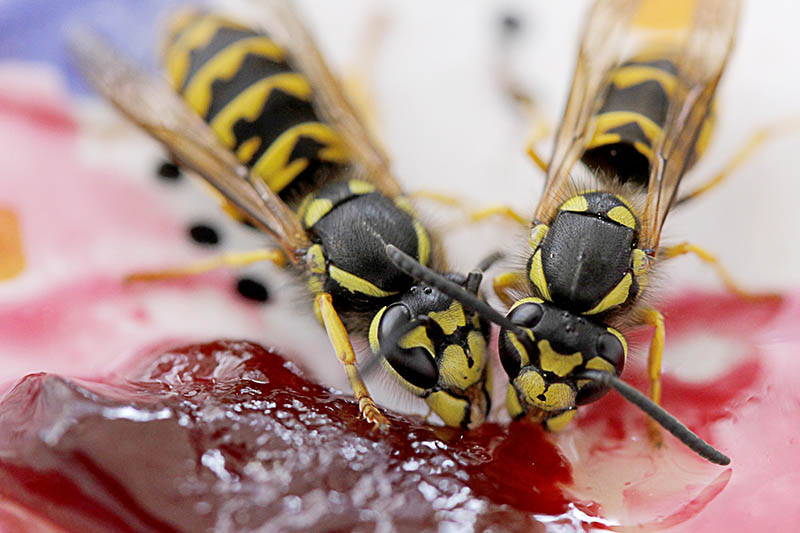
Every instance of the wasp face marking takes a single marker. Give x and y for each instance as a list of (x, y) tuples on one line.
[(557, 346), (439, 351)]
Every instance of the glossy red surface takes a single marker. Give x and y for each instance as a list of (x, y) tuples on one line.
[(228, 435)]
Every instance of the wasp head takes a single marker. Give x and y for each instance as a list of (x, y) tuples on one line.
[(438, 350), (555, 347)]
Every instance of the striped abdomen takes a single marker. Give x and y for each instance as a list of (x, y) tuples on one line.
[(631, 119), (239, 81)]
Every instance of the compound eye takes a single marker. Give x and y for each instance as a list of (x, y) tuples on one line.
[(394, 319), (526, 315), (415, 364), (610, 348)]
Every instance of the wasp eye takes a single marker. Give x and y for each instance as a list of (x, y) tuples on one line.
[(414, 364), (610, 348), (526, 315)]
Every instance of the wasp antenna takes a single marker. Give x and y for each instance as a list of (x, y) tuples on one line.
[(413, 268), (659, 414), (487, 262), (473, 282)]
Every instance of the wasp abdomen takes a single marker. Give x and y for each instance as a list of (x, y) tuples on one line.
[(631, 119), (242, 83)]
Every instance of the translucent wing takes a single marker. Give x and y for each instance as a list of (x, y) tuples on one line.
[(151, 104), (605, 36), (706, 42), (280, 19), (699, 35)]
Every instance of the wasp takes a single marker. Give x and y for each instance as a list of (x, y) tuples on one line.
[(637, 117), (269, 127)]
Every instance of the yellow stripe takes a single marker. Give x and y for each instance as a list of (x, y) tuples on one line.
[(176, 62), (614, 119), (353, 283), (577, 203), (644, 149), (418, 338), (247, 149), (249, 104), (450, 319), (450, 409), (274, 167), (529, 299), (617, 296), (315, 259), (622, 341), (622, 215), (524, 358), (224, 66), (640, 262), (560, 421), (360, 187), (537, 234), (536, 275), (602, 139), (374, 343), (423, 243), (559, 364), (513, 406), (317, 209), (455, 372), (631, 75), (598, 363)]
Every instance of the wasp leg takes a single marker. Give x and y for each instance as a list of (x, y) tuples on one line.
[(534, 155), (652, 317), (724, 275), (230, 260), (344, 351), (474, 215), (745, 152), (505, 281)]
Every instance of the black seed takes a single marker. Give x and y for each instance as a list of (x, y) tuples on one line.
[(252, 290), (204, 234), (169, 171), (511, 23)]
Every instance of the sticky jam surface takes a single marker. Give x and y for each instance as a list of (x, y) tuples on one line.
[(227, 435)]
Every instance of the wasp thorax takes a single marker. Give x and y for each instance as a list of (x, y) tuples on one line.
[(557, 346), (583, 262)]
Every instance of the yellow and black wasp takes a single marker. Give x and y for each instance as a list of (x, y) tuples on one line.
[(637, 117), (269, 127)]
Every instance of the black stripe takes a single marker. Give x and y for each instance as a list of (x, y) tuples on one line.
[(254, 68), (224, 37), (661, 64), (281, 112), (648, 99)]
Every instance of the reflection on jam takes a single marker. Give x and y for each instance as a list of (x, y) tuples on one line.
[(227, 435)]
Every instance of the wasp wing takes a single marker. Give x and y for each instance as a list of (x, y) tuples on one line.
[(151, 104), (280, 19), (604, 40), (706, 44)]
